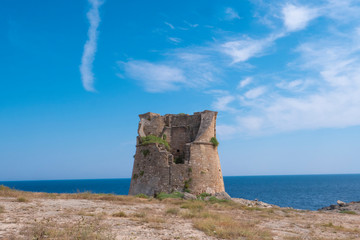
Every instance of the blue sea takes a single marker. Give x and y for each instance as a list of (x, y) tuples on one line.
[(309, 192)]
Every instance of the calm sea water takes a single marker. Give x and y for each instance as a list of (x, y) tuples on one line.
[(298, 191)]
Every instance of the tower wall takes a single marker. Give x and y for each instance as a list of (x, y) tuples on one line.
[(192, 162)]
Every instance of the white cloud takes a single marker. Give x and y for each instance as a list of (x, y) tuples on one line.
[(87, 76), (181, 68), (170, 25), (244, 49), (175, 40), (332, 101), (231, 14), (191, 25), (155, 77), (297, 17), (244, 82), (253, 124), (226, 131), (221, 103), (255, 92)]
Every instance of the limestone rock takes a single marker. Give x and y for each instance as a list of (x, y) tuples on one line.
[(340, 203), (223, 196), (189, 196)]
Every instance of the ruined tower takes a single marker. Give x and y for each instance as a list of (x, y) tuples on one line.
[(177, 152)]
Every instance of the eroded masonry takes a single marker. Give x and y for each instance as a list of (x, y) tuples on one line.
[(177, 152)]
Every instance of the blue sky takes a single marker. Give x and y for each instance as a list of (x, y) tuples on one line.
[(283, 75)]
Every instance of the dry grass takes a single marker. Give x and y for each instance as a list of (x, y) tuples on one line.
[(348, 212), (211, 218), (125, 200), (2, 209), (340, 228), (22, 199), (172, 211), (84, 229), (219, 219), (119, 214), (224, 226)]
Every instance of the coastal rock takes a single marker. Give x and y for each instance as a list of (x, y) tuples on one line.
[(223, 196), (250, 203), (189, 196), (342, 207), (341, 203)]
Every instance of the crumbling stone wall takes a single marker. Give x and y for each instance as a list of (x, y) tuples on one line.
[(192, 162)]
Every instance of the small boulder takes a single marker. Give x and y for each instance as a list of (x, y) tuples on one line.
[(189, 196), (341, 203), (222, 196)]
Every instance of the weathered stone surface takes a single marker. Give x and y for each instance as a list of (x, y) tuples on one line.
[(223, 196), (192, 163), (351, 207), (189, 196)]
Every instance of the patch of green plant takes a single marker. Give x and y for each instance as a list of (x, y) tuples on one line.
[(187, 184), (145, 152), (21, 199), (189, 170), (181, 114), (141, 195), (214, 141), (142, 173), (154, 139), (135, 176), (347, 212), (216, 200), (164, 136), (203, 195), (179, 160), (163, 195)]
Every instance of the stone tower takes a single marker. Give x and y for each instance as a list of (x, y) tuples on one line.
[(177, 152)]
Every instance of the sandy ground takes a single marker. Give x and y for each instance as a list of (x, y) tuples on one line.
[(144, 219)]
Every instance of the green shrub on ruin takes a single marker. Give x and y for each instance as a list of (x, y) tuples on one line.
[(141, 195), (163, 195), (179, 160), (203, 195), (145, 152), (154, 139), (214, 141), (187, 185)]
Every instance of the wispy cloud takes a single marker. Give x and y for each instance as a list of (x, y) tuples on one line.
[(297, 17), (87, 76), (175, 40), (154, 77), (255, 92), (244, 82), (169, 25), (318, 87), (182, 68), (231, 14), (222, 103), (246, 48)]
